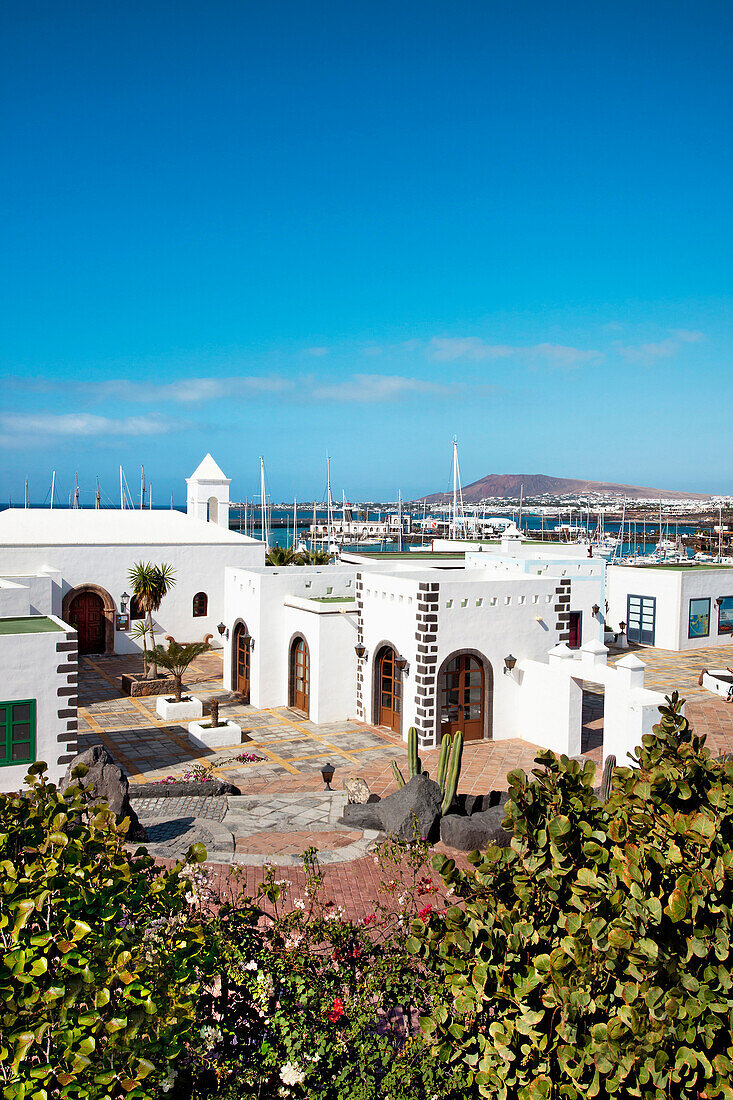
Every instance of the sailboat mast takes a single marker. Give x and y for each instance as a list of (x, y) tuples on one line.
[(399, 516), (53, 486), (26, 493), (329, 500), (97, 498), (455, 487), (142, 488), (263, 516), (295, 522), (122, 491), (521, 505)]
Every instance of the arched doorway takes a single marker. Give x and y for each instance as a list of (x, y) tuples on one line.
[(91, 610), (388, 690), (300, 675), (465, 693), (87, 615), (241, 660)]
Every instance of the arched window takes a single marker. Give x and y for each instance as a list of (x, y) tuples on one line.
[(136, 611), (200, 605)]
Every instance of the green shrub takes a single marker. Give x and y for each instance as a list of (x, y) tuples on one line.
[(98, 953), (592, 957)]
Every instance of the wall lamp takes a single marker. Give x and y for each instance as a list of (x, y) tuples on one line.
[(509, 663), (360, 651), (223, 631), (124, 600), (403, 665), (595, 608), (248, 641), (718, 600)]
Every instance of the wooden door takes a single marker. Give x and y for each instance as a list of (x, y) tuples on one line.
[(300, 675), (241, 661), (462, 697), (389, 689), (86, 613), (574, 629)]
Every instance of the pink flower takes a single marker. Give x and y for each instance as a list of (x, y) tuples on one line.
[(425, 913), (370, 919)]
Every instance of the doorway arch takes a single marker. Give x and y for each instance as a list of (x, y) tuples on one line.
[(91, 609), (300, 675), (465, 696), (241, 660), (387, 689)]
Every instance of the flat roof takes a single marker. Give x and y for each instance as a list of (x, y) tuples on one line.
[(407, 555), (110, 527), (29, 624)]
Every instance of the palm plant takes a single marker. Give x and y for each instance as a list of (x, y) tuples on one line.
[(280, 555), (151, 584), (315, 557), (141, 632), (176, 659)]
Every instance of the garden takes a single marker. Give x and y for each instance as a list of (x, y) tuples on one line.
[(590, 957)]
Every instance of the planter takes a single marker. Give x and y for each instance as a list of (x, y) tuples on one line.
[(205, 737), (188, 708), (135, 686), (717, 680)]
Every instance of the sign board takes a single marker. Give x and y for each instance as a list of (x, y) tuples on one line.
[(122, 622)]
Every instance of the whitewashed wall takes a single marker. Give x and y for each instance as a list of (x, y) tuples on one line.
[(673, 589), (199, 568), (42, 667)]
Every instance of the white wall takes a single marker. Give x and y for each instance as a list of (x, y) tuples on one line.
[(29, 664), (673, 589), (199, 568), (14, 599), (549, 706)]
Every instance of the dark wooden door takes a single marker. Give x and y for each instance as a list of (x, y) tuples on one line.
[(300, 675), (574, 629), (389, 688), (86, 613), (241, 661), (462, 698)]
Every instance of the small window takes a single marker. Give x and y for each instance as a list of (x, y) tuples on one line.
[(18, 732), (449, 603), (464, 603), (699, 621), (136, 611), (479, 601), (200, 605)]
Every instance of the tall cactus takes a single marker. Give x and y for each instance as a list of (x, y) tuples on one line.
[(398, 774), (413, 760), (607, 778), (454, 770), (445, 746)]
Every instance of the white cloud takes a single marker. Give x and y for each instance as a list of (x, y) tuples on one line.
[(374, 388), (660, 349), (449, 348), (39, 426), (186, 391)]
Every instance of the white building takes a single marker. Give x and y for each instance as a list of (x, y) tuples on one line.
[(75, 564), (674, 607), (496, 643), (38, 720)]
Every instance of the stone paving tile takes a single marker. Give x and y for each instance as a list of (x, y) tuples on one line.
[(150, 809), (295, 843)]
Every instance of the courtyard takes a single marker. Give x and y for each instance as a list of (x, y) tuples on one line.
[(283, 807)]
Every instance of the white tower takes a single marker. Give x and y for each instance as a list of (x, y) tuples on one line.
[(208, 493)]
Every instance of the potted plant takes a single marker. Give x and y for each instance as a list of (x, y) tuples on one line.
[(214, 733), (176, 659)]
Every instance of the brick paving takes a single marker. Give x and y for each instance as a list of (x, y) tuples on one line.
[(292, 750)]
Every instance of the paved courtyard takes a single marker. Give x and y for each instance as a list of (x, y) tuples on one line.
[(283, 808)]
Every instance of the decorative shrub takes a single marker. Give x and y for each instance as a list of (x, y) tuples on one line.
[(592, 958), (98, 953), (312, 1004)]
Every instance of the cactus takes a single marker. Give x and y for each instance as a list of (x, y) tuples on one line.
[(454, 770), (413, 760), (398, 774), (445, 746), (607, 778)]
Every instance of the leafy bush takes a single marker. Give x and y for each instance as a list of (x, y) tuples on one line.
[(592, 958), (98, 953), (312, 1004)]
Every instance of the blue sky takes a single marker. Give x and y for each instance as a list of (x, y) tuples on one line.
[(292, 227)]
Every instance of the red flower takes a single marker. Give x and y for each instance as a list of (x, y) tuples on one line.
[(425, 913), (337, 1011), (370, 918)]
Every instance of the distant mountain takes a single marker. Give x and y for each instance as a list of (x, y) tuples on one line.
[(508, 486)]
